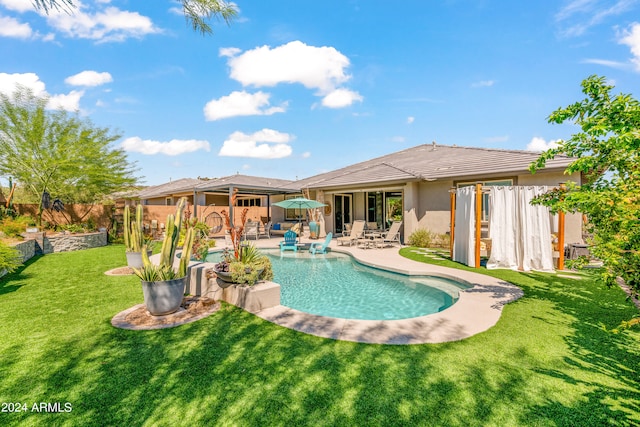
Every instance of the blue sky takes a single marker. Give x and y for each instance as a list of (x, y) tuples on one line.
[(295, 88)]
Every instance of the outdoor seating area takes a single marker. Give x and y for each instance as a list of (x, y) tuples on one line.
[(367, 236)]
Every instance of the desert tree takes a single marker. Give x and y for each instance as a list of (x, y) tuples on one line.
[(57, 152)]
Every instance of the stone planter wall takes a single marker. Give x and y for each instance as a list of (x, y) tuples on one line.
[(251, 298), (27, 248), (46, 244)]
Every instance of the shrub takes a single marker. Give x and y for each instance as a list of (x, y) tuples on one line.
[(14, 227), (421, 238), (10, 258)]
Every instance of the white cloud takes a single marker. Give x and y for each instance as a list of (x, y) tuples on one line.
[(631, 38), (306, 154), (241, 104), (108, 25), (229, 51), (17, 5), (11, 27), (69, 102), (172, 148), (539, 144), (410, 120), (9, 82), (340, 98), (580, 15), (264, 144), (606, 63), (321, 68), (398, 139), (89, 78), (483, 83)]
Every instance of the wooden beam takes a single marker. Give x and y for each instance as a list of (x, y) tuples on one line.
[(561, 235), (478, 221), (452, 195)]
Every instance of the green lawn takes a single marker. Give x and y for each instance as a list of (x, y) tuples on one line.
[(548, 362)]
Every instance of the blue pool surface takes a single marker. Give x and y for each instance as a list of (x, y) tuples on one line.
[(335, 285)]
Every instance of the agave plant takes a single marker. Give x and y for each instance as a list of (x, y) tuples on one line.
[(164, 270)]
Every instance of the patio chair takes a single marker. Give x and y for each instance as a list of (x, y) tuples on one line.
[(290, 242), (393, 235), (266, 231), (357, 232), (321, 248), (251, 230)]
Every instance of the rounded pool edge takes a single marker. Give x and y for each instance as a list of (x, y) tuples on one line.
[(478, 308)]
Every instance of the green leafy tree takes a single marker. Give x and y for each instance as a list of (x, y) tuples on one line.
[(197, 12), (57, 152), (607, 151)]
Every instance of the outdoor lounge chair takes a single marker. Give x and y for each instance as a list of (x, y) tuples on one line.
[(251, 230), (266, 231), (321, 248), (290, 242), (393, 235), (357, 232)]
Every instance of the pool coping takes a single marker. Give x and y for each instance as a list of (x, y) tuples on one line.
[(477, 309)]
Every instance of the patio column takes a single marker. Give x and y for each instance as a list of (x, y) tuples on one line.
[(452, 220), (231, 204), (478, 221), (561, 235)]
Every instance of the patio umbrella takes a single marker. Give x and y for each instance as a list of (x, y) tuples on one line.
[(299, 203)]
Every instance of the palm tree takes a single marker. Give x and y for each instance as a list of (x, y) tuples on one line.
[(197, 12)]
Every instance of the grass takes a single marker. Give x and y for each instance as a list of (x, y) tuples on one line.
[(548, 361)]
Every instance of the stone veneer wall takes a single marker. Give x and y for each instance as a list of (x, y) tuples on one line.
[(27, 248), (74, 242)]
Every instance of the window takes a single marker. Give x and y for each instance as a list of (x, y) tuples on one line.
[(293, 214), (248, 202), (384, 207), (485, 196)]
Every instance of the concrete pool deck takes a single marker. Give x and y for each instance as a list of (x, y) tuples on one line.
[(478, 308)]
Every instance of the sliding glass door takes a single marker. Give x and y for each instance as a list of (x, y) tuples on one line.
[(342, 203)]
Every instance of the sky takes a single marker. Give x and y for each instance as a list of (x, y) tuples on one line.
[(294, 88)]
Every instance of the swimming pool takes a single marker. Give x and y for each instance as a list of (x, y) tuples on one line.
[(334, 285)]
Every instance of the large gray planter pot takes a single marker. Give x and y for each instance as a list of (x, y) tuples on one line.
[(164, 296), (134, 259)]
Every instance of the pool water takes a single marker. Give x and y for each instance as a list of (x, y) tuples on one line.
[(334, 285)]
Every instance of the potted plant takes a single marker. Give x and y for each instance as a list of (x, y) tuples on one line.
[(247, 269), (246, 265), (162, 285), (134, 239)]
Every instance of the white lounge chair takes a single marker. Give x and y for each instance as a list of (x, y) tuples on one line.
[(357, 232), (393, 235), (266, 231), (251, 230)]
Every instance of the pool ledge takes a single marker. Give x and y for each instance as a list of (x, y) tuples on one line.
[(478, 308)]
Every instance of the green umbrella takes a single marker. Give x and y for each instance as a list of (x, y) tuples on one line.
[(299, 203)]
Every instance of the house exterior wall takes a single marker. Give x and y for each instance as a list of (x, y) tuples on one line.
[(430, 208)]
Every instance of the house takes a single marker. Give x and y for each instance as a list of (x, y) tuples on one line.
[(412, 185)]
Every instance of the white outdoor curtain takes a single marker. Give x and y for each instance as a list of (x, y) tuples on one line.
[(464, 234), (503, 227), (535, 232), (520, 232)]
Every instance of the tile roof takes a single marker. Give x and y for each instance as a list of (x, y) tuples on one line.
[(172, 187), (431, 162), (246, 183)]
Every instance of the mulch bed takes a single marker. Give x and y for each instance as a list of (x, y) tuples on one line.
[(120, 271), (192, 309)]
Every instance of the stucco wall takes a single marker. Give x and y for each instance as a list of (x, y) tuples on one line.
[(431, 209)]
